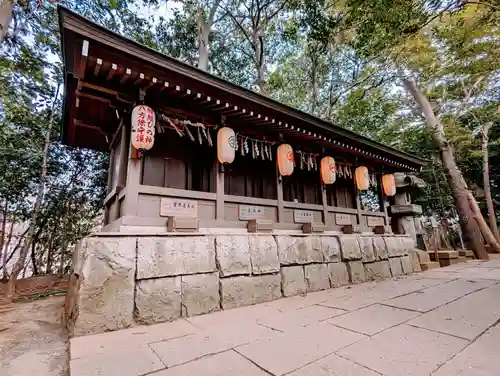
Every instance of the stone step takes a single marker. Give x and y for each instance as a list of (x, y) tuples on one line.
[(446, 255), (466, 253), (429, 265), (448, 262), (423, 256)]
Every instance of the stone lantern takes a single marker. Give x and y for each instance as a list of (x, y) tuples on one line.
[(405, 215)]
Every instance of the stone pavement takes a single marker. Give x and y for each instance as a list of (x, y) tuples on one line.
[(442, 322)]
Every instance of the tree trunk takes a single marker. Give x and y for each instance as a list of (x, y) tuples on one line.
[(33, 258), (6, 245), (203, 35), (453, 174), (485, 230), (19, 265), (204, 30), (5, 17), (258, 49), (486, 181), (4, 227)]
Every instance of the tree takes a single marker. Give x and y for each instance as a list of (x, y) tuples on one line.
[(254, 20)]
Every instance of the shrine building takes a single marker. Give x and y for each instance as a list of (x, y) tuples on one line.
[(218, 196)]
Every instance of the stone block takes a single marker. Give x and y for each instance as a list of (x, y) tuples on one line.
[(317, 277), (242, 290), (443, 255), (393, 245), (423, 256), (338, 274), (350, 248), (406, 264), (407, 243), (176, 255), (380, 248), (233, 255), (377, 271), (330, 247), (396, 268), (293, 281), (429, 265), (101, 297), (200, 294), (263, 254), (415, 263), (299, 249), (366, 245), (158, 300), (356, 271)]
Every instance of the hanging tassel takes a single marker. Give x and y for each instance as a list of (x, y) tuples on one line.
[(247, 148), (188, 132), (200, 140), (262, 151), (242, 148), (256, 147), (172, 123), (209, 138)]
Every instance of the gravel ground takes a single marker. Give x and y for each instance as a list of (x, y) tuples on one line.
[(32, 339)]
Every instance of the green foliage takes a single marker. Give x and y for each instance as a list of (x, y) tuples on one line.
[(339, 60)]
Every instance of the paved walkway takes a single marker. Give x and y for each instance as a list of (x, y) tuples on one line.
[(442, 322)]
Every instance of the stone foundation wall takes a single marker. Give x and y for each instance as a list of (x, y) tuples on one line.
[(119, 281)]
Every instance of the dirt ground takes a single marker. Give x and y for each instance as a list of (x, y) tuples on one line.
[(32, 339)]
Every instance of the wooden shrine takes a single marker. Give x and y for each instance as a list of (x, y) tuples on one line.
[(175, 181)]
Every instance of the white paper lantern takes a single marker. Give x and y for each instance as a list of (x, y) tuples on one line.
[(328, 170), (226, 145), (389, 184), (285, 159), (143, 127), (362, 178)]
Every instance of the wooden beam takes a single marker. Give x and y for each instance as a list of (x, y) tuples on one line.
[(139, 79), (125, 77), (83, 60), (153, 82), (112, 71), (98, 66), (164, 86)]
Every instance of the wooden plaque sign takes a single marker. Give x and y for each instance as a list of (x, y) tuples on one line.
[(302, 216), (173, 207), (248, 212), (375, 221), (343, 219)]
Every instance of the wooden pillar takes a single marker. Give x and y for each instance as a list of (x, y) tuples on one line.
[(279, 197), (219, 191), (132, 180), (358, 206), (325, 204), (383, 200), (122, 174), (111, 171)]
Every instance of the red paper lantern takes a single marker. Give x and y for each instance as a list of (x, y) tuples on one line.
[(143, 127)]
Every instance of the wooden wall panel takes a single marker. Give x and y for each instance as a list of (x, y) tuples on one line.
[(231, 212), (149, 206)]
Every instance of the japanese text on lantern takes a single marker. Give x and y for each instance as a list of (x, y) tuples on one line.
[(145, 125)]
